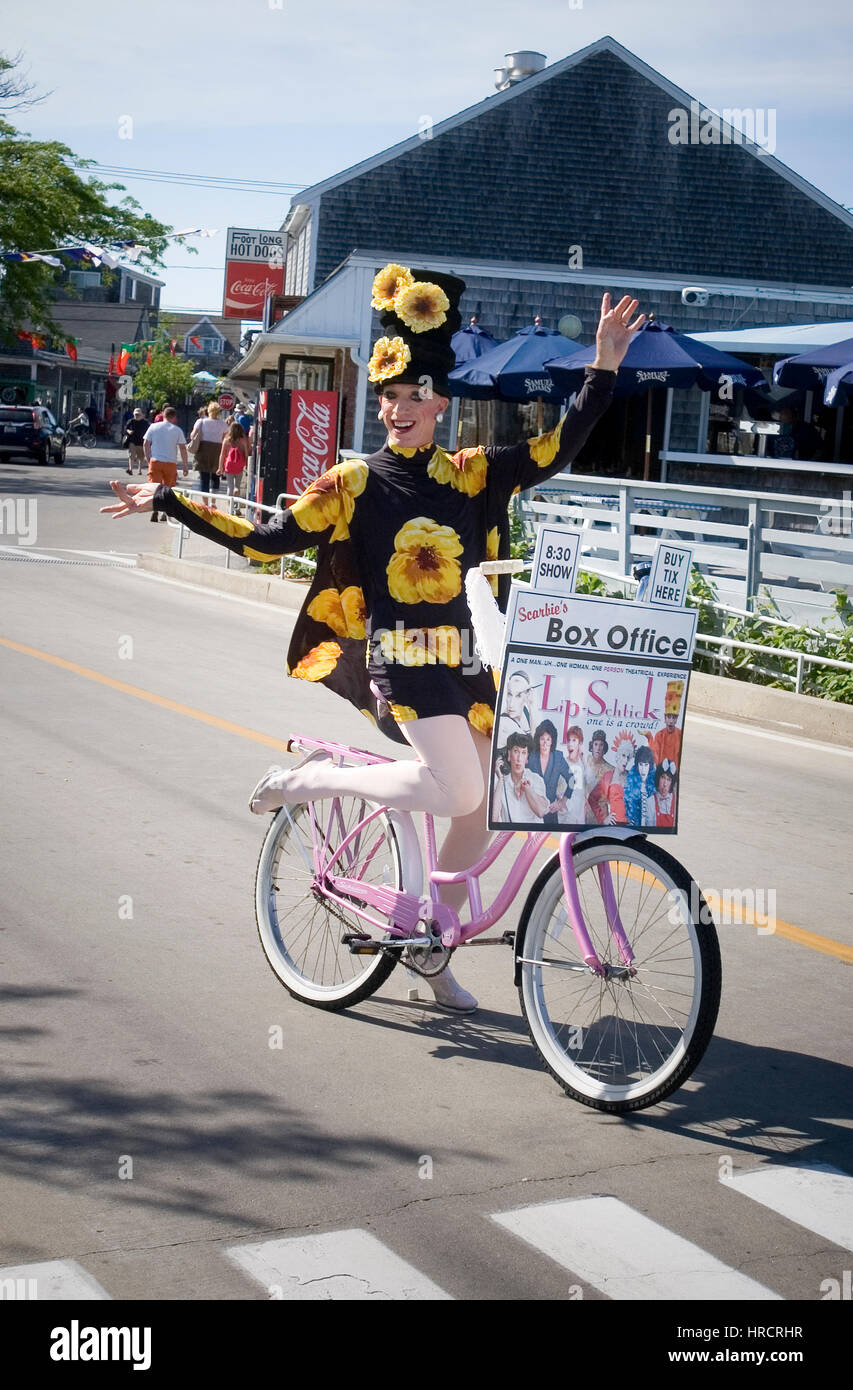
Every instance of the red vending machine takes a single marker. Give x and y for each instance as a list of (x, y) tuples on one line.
[(297, 441)]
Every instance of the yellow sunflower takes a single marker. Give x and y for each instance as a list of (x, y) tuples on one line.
[(492, 547), (403, 713), (343, 612), (386, 285), (424, 567), (464, 471), (543, 448), (482, 719), (422, 646), (422, 306), (331, 500), (318, 663), (390, 357)]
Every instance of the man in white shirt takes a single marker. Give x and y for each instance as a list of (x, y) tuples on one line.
[(162, 443), (519, 796)]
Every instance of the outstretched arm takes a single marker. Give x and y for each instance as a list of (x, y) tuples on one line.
[(324, 509)]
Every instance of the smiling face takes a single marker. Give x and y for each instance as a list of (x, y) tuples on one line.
[(409, 415)]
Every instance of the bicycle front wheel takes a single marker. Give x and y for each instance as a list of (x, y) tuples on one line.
[(300, 930), (628, 1039)]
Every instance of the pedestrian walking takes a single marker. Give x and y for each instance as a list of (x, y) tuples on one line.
[(163, 441), (208, 433), (233, 456), (134, 433)]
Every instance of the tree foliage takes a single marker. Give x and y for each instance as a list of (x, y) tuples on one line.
[(166, 381), (45, 202)]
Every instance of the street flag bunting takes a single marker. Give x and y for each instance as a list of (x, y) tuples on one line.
[(148, 358), (195, 342), (173, 343), (71, 348), (111, 369)]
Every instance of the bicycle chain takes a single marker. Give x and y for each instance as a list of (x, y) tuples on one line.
[(409, 963)]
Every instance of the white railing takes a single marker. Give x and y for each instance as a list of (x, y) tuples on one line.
[(219, 501), (797, 546)]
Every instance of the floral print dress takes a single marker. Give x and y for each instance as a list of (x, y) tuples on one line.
[(385, 622)]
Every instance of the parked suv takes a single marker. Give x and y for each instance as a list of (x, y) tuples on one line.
[(31, 430)]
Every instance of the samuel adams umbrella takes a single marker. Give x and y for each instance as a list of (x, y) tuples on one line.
[(471, 342), (658, 356), (809, 370), (839, 385), (514, 370)]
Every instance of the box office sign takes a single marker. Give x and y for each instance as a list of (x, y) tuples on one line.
[(590, 714), (599, 626)]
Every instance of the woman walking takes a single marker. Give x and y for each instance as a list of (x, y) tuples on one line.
[(233, 456), (385, 621), (208, 433)]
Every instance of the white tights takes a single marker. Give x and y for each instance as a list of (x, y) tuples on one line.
[(449, 779)]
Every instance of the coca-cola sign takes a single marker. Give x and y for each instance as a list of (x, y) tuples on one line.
[(313, 444), (247, 286)]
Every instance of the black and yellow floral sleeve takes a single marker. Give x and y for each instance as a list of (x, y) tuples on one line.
[(520, 466), (324, 511)]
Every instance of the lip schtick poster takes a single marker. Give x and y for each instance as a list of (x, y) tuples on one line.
[(590, 714)]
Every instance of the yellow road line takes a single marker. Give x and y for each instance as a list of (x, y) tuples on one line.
[(769, 925), (824, 944), (177, 708)]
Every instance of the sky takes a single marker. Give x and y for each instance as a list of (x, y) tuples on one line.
[(291, 93)]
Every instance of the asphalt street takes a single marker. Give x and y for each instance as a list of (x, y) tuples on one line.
[(138, 1010)]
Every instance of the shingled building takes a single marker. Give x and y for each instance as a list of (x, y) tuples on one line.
[(594, 173)]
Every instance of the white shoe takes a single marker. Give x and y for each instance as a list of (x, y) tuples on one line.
[(449, 994), (280, 785)]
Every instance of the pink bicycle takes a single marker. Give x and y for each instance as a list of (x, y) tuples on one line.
[(616, 957)]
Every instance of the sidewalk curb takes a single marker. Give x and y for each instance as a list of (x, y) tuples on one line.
[(781, 711), (263, 588)]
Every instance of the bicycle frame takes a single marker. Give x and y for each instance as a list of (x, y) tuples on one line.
[(403, 910)]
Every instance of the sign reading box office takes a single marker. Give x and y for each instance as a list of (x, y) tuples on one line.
[(599, 685)]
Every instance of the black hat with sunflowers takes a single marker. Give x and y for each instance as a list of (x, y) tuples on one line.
[(419, 310)]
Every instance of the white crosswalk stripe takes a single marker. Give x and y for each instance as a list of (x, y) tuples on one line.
[(626, 1255), (351, 1265), (816, 1196), (51, 1280)]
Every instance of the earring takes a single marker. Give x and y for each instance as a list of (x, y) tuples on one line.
[(440, 416), (379, 416)]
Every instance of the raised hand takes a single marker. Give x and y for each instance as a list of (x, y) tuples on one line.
[(133, 497), (615, 332)]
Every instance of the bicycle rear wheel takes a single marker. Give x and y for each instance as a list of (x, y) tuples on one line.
[(625, 1041), (299, 929)]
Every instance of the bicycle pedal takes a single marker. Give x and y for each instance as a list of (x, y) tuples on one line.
[(361, 945)]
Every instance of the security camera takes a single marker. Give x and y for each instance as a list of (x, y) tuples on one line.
[(694, 294)]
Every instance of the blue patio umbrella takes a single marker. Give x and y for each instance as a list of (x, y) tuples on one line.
[(658, 356), (514, 370), (471, 342), (839, 385), (809, 370)]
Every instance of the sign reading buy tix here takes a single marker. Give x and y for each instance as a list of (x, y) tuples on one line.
[(254, 268)]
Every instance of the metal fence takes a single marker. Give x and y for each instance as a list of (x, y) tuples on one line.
[(799, 549)]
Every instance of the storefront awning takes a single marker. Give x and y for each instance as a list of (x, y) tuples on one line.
[(785, 340), (265, 351)]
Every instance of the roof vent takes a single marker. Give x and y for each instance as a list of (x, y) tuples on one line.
[(517, 66)]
